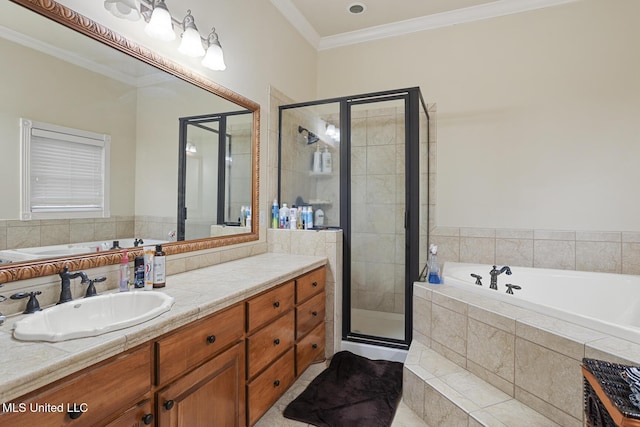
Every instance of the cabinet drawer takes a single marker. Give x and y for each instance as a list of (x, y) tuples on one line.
[(269, 386), (97, 393), (191, 345), (310, 348), (139, 415), (268, 306), (270, 342), (310, 284), (309, 314)]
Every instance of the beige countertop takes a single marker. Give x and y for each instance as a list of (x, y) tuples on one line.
[(26, 366)]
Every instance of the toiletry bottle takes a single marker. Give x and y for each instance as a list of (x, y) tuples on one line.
[(434, 267), (149, 253), (138, 272), (159, 268), (293, 217), (247, 213), (303, 217), (309, 217), (274, 214), (326, 161), (318, 219), (284, 216), (124, 272), (243, 213), (317, 160)]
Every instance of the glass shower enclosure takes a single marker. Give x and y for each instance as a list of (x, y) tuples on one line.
[(376, 191)]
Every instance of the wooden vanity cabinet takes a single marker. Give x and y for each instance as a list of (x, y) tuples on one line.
[(139, 415)]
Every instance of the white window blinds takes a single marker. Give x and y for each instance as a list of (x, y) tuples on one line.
[(65, 172)]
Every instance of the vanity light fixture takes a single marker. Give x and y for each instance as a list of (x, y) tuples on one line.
[(124, 9), (160, 26), (214, 59), (191, 44), (191, 148), (332, 132)]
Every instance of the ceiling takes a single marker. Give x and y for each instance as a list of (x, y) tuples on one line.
[(328, 24)]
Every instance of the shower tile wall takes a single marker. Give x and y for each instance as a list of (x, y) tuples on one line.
[(377, 210), (296, 164), (603, 251)]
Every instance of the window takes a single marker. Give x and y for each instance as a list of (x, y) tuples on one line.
[(65, 172)]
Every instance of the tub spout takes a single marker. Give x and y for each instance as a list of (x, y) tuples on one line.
[(495, 273)]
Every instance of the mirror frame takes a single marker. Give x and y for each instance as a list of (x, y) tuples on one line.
[(75, 21)]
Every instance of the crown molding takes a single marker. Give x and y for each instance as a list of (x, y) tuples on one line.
[(299, 22), (423, 23)]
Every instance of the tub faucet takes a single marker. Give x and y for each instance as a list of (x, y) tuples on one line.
[(495, 273), (66, 276)]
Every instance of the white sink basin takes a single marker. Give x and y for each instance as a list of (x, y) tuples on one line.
[(88, 317)]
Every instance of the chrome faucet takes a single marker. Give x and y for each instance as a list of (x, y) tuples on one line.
[(65, 292), (495, 273)]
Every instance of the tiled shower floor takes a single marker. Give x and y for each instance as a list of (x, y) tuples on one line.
[(405, 417)]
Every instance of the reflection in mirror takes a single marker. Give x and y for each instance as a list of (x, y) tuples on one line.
[(214, 185), (60, 76)]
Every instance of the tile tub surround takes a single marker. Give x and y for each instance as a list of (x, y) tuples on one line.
[(197, 293), (531, 358)]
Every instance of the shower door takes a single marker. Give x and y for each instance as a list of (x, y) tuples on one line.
[(379, 225)]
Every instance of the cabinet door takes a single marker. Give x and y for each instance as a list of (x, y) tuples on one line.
[(211, 395)]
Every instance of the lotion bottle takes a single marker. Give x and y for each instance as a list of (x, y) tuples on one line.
[(159, 268)]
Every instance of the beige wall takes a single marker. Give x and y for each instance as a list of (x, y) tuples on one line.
[(537, 113)]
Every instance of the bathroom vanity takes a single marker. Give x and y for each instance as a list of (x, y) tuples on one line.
[(238, 336)]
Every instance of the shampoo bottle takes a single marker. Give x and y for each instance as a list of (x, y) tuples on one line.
[(274, 214), (124, 272), (434, 267), (317, 160), (159, 268), (293, 217), (326, 161)]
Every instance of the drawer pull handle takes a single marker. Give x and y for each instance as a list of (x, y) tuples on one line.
[(276, 341), (276, 383), (147, 419), (168, 404), (75, 411), (315, 313), (211, 339), (314, 346), (276, 304), (314, 284)]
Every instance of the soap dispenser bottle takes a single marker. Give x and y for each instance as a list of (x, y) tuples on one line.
[(317, 160), (434, 267), (326, 161)]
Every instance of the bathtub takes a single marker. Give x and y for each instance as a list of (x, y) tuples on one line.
[(42, 252), (608, 303)]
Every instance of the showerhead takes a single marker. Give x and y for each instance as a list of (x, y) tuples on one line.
[(311, 137)]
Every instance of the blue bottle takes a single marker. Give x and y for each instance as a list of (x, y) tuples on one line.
[(434, 267)]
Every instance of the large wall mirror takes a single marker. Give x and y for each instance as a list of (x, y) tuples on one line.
[(68, 72)]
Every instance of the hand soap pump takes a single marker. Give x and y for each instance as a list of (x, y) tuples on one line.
[(434, 267)]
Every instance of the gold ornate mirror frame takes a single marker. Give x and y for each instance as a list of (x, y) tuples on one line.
[(84, 25)]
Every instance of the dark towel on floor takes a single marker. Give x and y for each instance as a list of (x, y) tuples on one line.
[(352, 391)]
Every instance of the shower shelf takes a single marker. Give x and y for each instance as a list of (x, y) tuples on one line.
[(321, 174), (314, 202)]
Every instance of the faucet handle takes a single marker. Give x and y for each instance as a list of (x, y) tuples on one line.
[(91, 289), (478, 278), (511, 287), (32, 305)]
